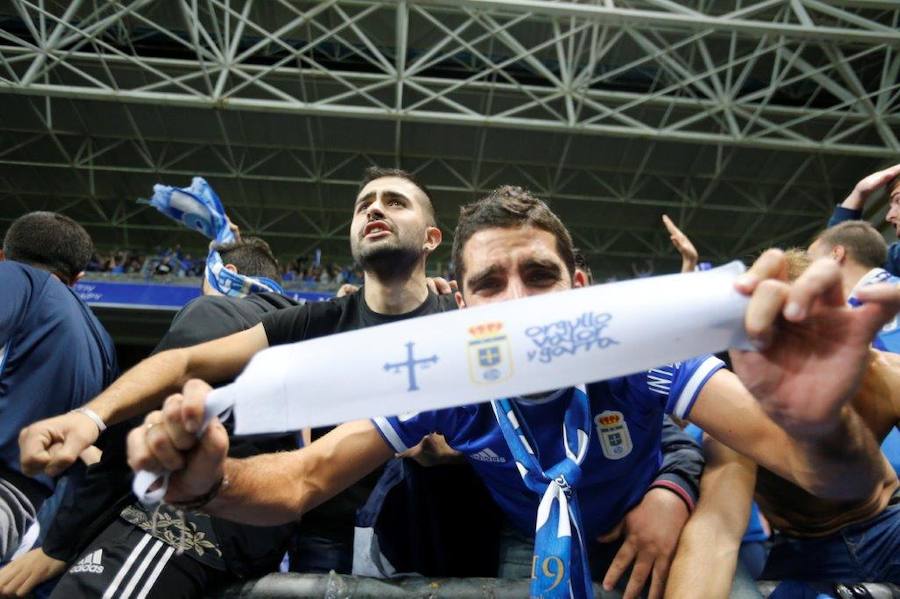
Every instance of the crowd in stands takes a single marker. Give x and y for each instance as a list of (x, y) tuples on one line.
[(176, 263), (591, 484)]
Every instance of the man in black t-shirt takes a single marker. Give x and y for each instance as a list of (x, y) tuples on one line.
[(391, 235)]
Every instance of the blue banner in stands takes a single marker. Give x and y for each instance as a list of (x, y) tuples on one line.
[(157, 296)]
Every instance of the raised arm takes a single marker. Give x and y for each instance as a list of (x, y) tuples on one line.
[(814, 352), (869, 185), (708, 550), (264, 490), (683, 244), (843, 464), (52, 445)]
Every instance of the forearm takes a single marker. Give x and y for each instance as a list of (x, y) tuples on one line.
[(277, 488), (841, 461), (143, 388), (854, 201), (264, 490), (710, 543), (844, 464)]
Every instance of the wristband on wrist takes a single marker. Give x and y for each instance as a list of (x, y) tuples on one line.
[(93, 416), (198, 502), (676, 490)]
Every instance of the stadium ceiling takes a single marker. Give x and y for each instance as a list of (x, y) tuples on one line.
[(745, 120)]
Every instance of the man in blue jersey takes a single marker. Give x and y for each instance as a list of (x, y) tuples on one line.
[(566, 466), (54, 354), (852, 207)]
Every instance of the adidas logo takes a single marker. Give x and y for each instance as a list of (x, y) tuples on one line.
[(487, 455), (89, 563)]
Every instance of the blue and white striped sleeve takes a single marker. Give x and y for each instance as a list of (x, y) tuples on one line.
[(689, 378), (407, 430), (675, 387)]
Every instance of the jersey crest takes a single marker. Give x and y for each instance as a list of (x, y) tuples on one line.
[(612, 430)]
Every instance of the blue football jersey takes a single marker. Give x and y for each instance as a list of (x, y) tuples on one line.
[(888, 339), (623, 454)]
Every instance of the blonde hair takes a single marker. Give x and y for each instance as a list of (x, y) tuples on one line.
[(798, 261)]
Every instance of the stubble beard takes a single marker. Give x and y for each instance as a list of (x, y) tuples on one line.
[(391, 261)]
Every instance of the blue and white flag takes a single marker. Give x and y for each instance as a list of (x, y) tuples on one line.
[(198, 207)]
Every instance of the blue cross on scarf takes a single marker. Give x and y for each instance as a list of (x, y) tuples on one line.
[(198, 207), (557, 550)]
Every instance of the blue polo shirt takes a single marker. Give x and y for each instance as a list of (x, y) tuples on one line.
[(54, 354), (623, 453)]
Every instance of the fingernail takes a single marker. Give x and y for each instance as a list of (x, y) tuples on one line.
[(190, 426), (744, 280), (793, 311)]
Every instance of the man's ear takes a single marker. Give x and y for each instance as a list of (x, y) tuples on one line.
[(460, 302), (839, 254), (433, 238), (580, 279), (231, 267)]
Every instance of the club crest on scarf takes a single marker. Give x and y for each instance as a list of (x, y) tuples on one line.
[(490, 358)]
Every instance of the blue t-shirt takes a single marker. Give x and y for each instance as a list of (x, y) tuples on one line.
[(623, 455), (54, 354)]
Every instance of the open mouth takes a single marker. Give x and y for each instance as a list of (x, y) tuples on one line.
[(376, 229)]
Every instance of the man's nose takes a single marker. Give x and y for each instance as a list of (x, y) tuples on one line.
[(516, 289), (374, 211)]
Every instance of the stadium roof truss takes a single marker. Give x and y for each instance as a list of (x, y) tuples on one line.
[(744, 119)]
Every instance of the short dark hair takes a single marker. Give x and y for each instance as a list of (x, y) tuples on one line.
[(863, 243), (376, 172), (507, 207), (49, 241), (251, 256)]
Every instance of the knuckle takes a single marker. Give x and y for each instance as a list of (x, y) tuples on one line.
[(158, 443), (770, 286)]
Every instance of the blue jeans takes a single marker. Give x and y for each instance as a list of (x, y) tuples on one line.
[(865, 552)]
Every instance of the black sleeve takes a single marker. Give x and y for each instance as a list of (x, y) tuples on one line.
[(288, 325), (204, 319), (682, 463), (88, 507)]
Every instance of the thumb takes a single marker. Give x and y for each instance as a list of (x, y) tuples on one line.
[(63, 456), (613, 534), (213, 448)]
